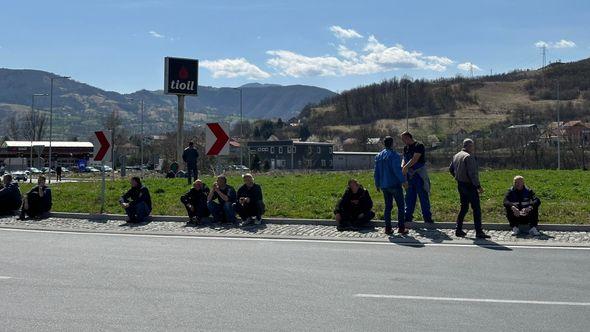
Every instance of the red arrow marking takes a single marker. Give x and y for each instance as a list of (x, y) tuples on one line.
[(221, 136), (104, 145)]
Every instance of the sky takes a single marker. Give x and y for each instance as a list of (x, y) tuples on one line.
[(120, 45)]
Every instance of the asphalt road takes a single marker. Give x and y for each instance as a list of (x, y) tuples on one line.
[(74, 282)]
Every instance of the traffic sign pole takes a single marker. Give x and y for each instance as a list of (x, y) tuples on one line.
[(103, 188), (179, 139)]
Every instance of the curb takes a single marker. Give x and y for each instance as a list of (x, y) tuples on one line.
[(328, 222)]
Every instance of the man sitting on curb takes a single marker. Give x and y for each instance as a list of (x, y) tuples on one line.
[(37, 203), (195, 202), (137, 202), (354, 210), (10, 197), (522, 207), (250, 204), (223, 209)]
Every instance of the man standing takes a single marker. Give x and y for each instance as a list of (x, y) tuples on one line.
[(465, 170), (389, 179), (190, 157), (522, 207), (414, 169), (58, 171)]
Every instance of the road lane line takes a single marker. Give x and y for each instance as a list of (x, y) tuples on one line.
[(499, 246), (4, 278), (460, 299)]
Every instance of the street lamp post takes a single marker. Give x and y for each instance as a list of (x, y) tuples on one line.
[(51, 120), (241, 127), (33, 129), (141, 143)]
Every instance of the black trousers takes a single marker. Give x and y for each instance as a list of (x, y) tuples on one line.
[(36, 207), (192, 173), (252, 209), (532, 219), (469, 196), (201, 211), (355, 219)]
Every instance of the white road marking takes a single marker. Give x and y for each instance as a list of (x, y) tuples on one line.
[(459, 299), (4, 278), (271, 239)]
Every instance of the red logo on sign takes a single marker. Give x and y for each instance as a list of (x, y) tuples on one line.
[(183, 73)]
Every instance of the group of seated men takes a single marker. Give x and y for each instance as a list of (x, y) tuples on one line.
[(222, 202), (354, 209), (36, 203)]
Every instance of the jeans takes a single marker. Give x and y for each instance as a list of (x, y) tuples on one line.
[(389, 194), (192, 172), (222, 212), (416, 189), (354, 218), (138, 212), (469, 196)]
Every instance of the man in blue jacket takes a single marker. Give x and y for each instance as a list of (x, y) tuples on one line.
[(389, 179), (190, 156)]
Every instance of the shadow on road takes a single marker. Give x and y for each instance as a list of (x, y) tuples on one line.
[(405, 241), (435, 235), (488, 244)]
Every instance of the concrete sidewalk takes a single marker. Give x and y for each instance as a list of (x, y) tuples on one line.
[(329, 222)]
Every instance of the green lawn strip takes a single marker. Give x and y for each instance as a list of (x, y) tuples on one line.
[(565, 195)]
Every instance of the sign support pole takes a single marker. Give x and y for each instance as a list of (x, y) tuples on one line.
[(179, 134), (103, 188)]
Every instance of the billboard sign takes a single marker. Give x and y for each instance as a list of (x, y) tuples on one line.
[(181, 76)]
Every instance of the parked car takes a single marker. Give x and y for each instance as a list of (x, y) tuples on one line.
[(65, 170), (45, 170), (106, 168), (240, 168), (92, 169), (34, 170), (19, 176)]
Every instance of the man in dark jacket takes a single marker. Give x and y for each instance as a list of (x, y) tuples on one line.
[(220, 201), (250, 204), (195, 202), (10, 197), (354, 210), (465, 170), (522, 207), (389, 179), (37, 203), (137, 202), (190, 157)]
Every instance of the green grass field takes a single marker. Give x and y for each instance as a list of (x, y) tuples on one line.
[(565, 195)]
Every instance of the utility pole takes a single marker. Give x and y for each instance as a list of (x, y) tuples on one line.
[(544, 53), (51, 120), (471, 69), (407, 107), (33, 134), (241, 131), (558, 131)]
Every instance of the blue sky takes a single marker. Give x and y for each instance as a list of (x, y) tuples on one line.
[(120, 45)]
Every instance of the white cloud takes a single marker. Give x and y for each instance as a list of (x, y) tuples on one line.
[(468, 66), (344, 34), (231, 68), (375, 57), (155, 34), (563, 43)]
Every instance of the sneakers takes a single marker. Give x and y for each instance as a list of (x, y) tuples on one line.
[(482, 235), (258, 221), (388, 230), (460, 233), (402, 231), (534, 232), (515, 231), (247, 222)]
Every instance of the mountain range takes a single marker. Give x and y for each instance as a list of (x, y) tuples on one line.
[(80, 108)]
